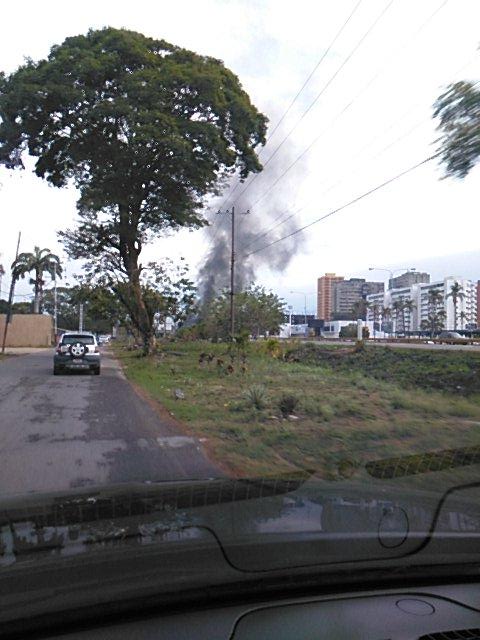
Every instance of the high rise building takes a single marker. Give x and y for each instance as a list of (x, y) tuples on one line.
[(408, 279), (416, 318), (478, 303), (324, 295), (348, 292)]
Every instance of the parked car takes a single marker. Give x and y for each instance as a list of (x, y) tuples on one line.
[(77, 352), (104, 339), (452, 337)]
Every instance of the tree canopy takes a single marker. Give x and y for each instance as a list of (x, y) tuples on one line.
[(458, 112), (40, 261), (258, 312), (144, 130)]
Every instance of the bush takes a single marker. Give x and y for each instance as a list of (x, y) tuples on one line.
[(273, 347), (316, 408), (454, 372), (350, 331), (287, 404), (256, 397)]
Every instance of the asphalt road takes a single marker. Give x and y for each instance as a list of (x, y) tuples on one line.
[(69, 431)]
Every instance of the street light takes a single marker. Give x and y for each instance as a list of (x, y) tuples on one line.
[(302, 293), (391, 272)]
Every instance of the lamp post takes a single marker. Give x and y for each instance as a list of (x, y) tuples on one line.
[(302, 293), (408, 269)]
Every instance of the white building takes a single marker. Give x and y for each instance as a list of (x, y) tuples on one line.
[(421, 307), (332, 328)]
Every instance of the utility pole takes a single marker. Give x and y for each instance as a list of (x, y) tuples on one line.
[(302, 293), (55, 318), (232, 280), (80, 317), (10, 298), (232, 271)]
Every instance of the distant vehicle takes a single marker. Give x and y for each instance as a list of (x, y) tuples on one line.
[(452, 337), (104, 339), (77, 352)]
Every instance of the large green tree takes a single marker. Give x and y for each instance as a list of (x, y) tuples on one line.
[(257, 312), (40, 261), (144, 129), (101, 308)]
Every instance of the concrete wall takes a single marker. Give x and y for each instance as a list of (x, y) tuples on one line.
[(27, 330)]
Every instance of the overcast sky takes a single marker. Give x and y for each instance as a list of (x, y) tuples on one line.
[(372, 121)]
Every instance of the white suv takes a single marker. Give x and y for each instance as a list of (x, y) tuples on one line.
[(77, 351)]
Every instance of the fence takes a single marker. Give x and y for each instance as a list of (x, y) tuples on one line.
[(28, 330)]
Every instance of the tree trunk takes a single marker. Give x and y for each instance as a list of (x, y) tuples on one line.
[(130, 250), (36, 299)]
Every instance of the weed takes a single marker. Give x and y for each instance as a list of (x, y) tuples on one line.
[(315, 407), (287, 404), (256, 397)]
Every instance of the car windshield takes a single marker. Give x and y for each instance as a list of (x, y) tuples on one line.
[(71, 339), (248, 204)]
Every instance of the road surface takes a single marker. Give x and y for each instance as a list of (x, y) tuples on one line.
[(432, 347), (406, 345), (69, 431)]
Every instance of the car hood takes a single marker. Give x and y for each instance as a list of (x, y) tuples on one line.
[(169, 537)]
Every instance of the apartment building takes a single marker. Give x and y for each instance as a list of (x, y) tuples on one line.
[(348, 292), (415, 318), (325, 295), (408, 279), (478, 303)]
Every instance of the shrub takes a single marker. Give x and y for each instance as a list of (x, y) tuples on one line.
[(287, 404), (317, 408), (256, 397), (273, 347)]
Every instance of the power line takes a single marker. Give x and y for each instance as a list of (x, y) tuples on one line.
[(322, 91), (325, 54), (299, 92), (344, 206), (291, 214), (282, 118), (352, 101), (346, 107)]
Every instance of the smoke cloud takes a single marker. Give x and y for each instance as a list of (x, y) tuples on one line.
[(265, 212)]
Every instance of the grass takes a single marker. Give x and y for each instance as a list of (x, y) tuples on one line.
[(344, 417), (457, 372)]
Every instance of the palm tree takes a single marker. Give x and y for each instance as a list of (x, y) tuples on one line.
[(386, 314), (434, 322), (40, 261), (2, 273), (359, 309), (434, 298), (456, 294), (408, 306), (375, 309), (463, 316), (397, 308)]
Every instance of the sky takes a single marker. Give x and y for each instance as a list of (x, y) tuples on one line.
[(371, 119)]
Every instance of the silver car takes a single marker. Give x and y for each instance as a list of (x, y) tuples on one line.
[(77, 351)]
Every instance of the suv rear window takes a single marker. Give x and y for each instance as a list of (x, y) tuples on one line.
[(80, 338)]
